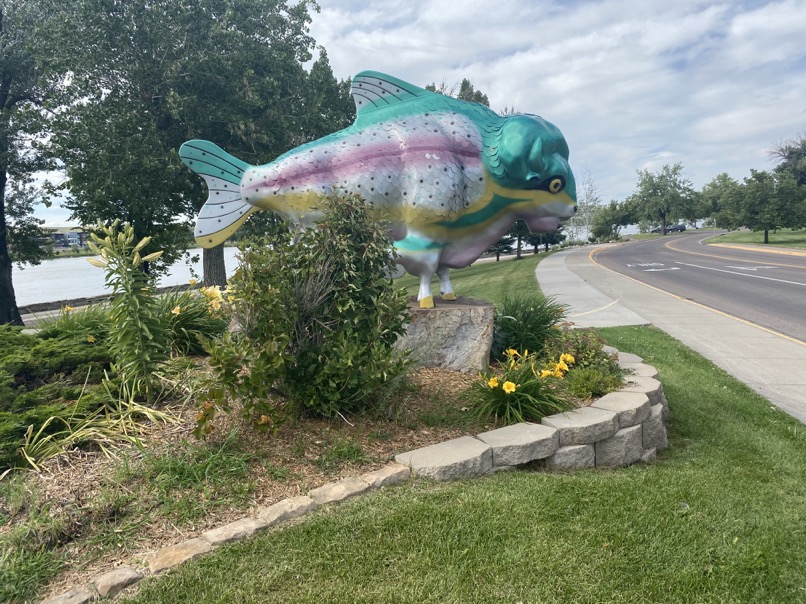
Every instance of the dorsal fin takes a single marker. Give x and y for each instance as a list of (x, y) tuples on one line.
[(375, 90)]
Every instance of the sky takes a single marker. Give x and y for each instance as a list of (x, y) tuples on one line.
[(632, 84)]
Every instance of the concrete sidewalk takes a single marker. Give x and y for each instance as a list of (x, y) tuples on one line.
[(770, 364)]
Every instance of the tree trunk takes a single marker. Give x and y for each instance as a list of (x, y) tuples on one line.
[(215, 273), (519, 247), (766, 236), (498, 256), (9, 313)]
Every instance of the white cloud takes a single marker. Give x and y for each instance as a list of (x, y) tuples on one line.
[(632, 84)]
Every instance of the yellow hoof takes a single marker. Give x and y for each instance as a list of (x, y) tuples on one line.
[(427, 302), (449, 297)]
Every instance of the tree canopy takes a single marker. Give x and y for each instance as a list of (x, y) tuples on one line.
[(662, 196), (24, 87), (160, 72)]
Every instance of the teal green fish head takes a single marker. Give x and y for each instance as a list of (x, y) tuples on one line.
[(534, 155)]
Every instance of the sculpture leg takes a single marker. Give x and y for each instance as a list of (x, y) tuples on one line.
[(445, 287), (425, 297)]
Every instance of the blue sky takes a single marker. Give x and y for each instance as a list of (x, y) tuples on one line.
[(633, 84)]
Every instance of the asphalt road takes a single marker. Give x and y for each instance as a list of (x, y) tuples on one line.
[(760, 287)]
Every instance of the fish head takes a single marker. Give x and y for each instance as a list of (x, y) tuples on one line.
[(534, 157)]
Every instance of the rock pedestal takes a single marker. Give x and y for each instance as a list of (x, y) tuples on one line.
[(454, 335)]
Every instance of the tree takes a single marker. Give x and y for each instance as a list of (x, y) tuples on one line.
[(520, 232), (466, 92), (720, 200), (546, 239), (161, 72), (663, 196), (608, 220), (792, 158), (767, 200), (24, 85), (588, 200), (502, 246)]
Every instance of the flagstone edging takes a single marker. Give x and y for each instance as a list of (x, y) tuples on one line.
[(621, 428)]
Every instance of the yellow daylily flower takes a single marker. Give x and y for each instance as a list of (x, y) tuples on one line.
[(546, 373), (512, 352), (67, 309), (561, 366), (176, 310), (508, 387), (91, 339), (192, 282), (568, 358), (493, 382)]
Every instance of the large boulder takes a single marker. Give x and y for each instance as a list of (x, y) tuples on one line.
[(455, 335)]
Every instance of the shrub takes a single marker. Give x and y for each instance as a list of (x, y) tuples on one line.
[(525, 321), (319, 318), (191, 316), (523, 389), (585, 345), (588, 382)]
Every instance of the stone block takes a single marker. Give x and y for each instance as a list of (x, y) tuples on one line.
[(173, 555), (631, 408), (521, 443), (574, 457), (622, 449), (234, 531), (112, 583), (639, 370), (583, 426), (79, 595), (293, 507), (455, 335), (333, 492), (458, 458), (654, 434), (628, 357), (646, 385), (649, 456), (391, 474)]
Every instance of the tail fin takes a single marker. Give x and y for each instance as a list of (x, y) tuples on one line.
[(225, 210)]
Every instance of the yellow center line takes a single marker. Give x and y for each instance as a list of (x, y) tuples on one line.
[(756, 248), (719, 312)]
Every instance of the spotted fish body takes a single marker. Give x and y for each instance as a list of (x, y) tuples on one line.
[(449, 177)]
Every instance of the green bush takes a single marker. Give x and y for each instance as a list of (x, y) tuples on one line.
[(191, 317), (525, 321), (589, 382), (87, 322), (319, 318), (585, 345)]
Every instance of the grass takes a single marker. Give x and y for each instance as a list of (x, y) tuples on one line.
[(721, 517), (780, 238), (489, 281)]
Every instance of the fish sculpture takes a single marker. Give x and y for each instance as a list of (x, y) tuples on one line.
[(449, 177)]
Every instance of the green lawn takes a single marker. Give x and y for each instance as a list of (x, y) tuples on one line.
[(487, 280), (781, 238), (720, 517)]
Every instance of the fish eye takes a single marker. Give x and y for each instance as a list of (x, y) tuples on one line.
[(556, 185)]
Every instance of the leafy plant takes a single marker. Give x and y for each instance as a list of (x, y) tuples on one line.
[(319, 318), (585, 345), (138, 338), (525, 321), (588, 382), (191, 317), (523, 389)]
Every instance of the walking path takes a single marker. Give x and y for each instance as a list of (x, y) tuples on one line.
[(770, 364)]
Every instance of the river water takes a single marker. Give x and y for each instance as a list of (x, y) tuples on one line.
[(72, 278)]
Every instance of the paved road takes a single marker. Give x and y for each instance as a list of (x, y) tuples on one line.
[(771, 363), (767, 289)]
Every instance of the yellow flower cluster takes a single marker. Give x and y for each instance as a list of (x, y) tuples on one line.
[(508, 387), (558, 369), (214, 297)]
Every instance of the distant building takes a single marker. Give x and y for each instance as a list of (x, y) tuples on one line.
[(68, 237)]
